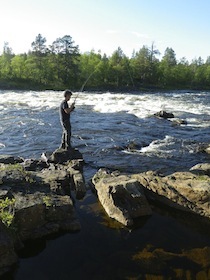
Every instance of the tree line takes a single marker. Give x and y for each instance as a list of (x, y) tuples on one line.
[(61, 65)]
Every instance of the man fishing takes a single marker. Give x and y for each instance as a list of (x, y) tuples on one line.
[(65, 112)]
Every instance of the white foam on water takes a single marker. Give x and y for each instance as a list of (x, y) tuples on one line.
[(144, 105), (20, 123), (2, 145), (30, 100), (166, 148), (160, 146), (141, 105)]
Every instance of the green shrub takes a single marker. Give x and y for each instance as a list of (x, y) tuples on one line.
[(7, 210)]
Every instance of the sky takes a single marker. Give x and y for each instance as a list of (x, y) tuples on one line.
[(105, 25)]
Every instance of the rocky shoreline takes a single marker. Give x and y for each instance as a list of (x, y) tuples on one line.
[(125, 197), (40, 196), (36, 199)]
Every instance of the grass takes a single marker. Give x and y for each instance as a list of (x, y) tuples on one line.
[(7, 211)]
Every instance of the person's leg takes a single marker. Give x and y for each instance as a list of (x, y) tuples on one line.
[(63, 139), (67, 135)]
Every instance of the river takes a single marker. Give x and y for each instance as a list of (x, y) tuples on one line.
[(117, 131)]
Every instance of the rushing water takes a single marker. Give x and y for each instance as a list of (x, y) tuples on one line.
[(105, 126)]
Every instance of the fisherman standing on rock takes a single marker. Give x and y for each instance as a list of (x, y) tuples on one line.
[(65, 112)]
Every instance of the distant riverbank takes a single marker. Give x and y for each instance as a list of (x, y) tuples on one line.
[(24, 85)]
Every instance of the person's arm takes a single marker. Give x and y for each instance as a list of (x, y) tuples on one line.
[(70, 109)]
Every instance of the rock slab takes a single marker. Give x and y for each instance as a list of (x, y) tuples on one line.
[(186, 191), (41, 191), (122, 197)]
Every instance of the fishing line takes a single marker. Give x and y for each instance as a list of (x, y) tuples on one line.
[(127, 66), (88, 78)]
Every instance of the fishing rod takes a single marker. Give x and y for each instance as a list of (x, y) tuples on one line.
[(130, 74), (82, 88)]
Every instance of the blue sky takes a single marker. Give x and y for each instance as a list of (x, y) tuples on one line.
[(105, 25)]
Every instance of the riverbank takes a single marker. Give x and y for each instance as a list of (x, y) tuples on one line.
[(52, 210), (24, 85), (35, 199)]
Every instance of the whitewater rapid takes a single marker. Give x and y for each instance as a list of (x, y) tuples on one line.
[(104, 124), (140, 104)]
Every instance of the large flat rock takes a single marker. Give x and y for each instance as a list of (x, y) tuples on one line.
[(186, 191), (122, 197)]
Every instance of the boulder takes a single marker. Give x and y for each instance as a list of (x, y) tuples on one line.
[(80, 188), (62, 155), (8, 256), (57, 177), (201, 168), (35, 194), (203, 148), (8, 159), (34, 164), (207, 149), (182, 190), (177, 121), (122, 197), (164, 115), (40, 196), (40, 214)]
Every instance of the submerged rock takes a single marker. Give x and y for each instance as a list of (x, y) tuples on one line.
[(157, 260), (205, 148), (179, 122), (122, 197), (166, 115)]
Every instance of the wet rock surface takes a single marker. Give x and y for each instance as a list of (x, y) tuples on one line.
[(41, 195), (185, 191), (163, 114), (122, 197), (125, 197), (43, 204), (8, 256)]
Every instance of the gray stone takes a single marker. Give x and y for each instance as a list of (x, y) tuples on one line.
[(179, 122), (41, 191), (8, 256), (164, 115), (57, 177), (201, 168), (40, 214), (62, 156), (80, 188), (185, 191), (122, 197), (8, 159), (36, 194)]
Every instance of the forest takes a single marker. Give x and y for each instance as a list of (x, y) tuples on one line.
[(61, 65)]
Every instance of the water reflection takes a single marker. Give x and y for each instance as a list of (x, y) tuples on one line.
[(162, 246)]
